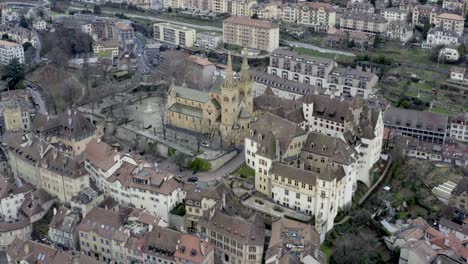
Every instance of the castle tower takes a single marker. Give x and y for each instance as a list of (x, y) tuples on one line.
[(246, 85), (229, 101)]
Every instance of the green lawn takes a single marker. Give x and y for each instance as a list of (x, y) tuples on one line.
[(339, 58), (246, 172)]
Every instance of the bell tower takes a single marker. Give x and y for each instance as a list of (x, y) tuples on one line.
[(229, 100), (246, 85)]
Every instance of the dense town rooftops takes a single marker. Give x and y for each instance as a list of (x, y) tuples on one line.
[(70, 124), (62, 164), (248, 231), (318, 5), (350, 73), (64, 220), (250, 22), (100, 154), (189, 248), (9, 188), (282, 107), (105, 223), (364, 16), (4, 44), (279, 83), (334, 148), (450, 16)]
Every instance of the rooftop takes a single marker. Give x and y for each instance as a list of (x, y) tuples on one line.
[(250, 22)]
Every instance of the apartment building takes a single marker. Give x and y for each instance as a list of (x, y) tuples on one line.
[(146, 187), (24, 153), (364, 7), (319, 16), (395, 14), (352, 82), (455, 6), (438, 36), (175, 35), (12, 196), (364, 22), (125, 33), (448, 21), (401, 31), (198, 201), (10, 51), (71, 129), (63, 228), (240, 8), (281, 87), (251, 33), (266, 11), (321, 73), (209, 40), (425, 126), (39, 24), (306, 69), (459, 127), (235, 239), (420, 12), (102, 235), (17, 115), (61, 175)]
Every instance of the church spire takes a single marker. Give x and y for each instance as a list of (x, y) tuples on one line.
[(244, 75), (229, 81)]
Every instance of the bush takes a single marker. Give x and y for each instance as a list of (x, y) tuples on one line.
[(200, 165), (179, 210)]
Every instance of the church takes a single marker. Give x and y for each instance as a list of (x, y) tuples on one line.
[(226, 109)]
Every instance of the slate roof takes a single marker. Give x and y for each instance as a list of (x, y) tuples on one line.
[(191, 94), (334, 148), (70, 124), (105, 223), (416, 119), (186, 110)]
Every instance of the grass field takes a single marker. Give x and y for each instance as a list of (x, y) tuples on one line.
[(246, 172), (339, 58)]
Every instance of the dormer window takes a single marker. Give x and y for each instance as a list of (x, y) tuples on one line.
[(324, 148), (312, 145), (260, 136), (252, 132)]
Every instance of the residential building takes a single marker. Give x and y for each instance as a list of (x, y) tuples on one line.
[(364, 22), (235, 239), (447, 226), (281, 87), (426, 126), (306, 69), (33, 207), (395, 14), (198, 201), (109, 49), (125, 33), (294, 240), (365, 7), (251, 33), (458, 74), (458, 197), (191, 249), (24, 153), (239, 8), (22, 35), (27, 251), (452, 22), (61, 175), (227, 107), (12, 196), (10, 51), (102, 161), (87, 199), (175, 35), (319, 16), (266, 11), (39, 24), (63, 228), (9, 14), (209, 40), (401, 31), (455, 6), (459, 127), (102, 235), (202, 69), (440, 37), (422, 13), (351, 82), (450, 54), (71, 129), (146, 187)]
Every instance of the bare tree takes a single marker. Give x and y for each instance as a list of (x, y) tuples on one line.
[(180, 159), (105, 65), (69, 92)]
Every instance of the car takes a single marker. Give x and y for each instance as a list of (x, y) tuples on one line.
[(205, 144), (192, 179), (148, 126)]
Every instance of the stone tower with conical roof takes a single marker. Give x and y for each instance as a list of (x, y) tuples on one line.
[(246, 85)]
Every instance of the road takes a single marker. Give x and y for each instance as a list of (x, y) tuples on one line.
[(319, 49), (224, 170), (139, 50), (38, 48), (152, 18), (37, 98)]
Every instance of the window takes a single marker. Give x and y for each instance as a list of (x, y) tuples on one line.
[(286, 192), (252, 248), (252, 257), (298, 196)]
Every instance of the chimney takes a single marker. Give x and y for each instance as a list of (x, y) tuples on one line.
[(55, 211), (202, 247)]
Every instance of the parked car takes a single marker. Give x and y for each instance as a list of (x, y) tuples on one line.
[(192, 179), (205, 144)]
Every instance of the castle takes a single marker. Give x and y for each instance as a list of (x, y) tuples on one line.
[(226, 109)]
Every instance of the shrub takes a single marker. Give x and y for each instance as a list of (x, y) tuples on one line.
[(200, 165)]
